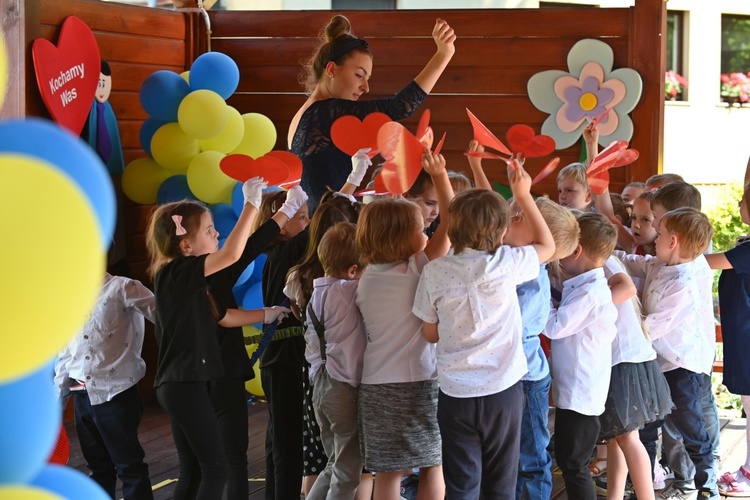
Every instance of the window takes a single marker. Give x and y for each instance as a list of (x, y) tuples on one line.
[(675, 87), (735, 58)]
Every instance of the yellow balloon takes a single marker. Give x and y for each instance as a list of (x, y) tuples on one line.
[(20, 492), (202, 114), (3, 70), (142, 178), (254, 386), (172, 148), (51, 262), (230, 137), (186, 76), (206, 180), (259, 137)]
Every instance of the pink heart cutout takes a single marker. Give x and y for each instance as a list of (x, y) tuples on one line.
[(68, 74)]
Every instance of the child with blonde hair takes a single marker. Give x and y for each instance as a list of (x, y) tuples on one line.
[(534, 466), (398, 394), (582, 329), (573, 187), (466, 301)]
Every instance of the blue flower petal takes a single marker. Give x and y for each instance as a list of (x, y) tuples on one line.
[(541, 89)]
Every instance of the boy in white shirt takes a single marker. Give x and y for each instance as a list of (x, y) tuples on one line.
[(102, 366), (582, 329), (677, 301), (468, 303), (336, 341)]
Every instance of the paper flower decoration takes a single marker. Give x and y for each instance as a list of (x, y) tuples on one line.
[(590, 90)]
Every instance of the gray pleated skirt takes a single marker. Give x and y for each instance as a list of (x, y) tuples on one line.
[(398, 426)]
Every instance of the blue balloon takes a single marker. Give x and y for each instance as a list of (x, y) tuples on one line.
[(69, 483), (239, 291), (246, 274), (238, 199), (224, 218), (44, 140), (272, 189), (260, 263), (215, 71), (174, 188), (148, 129), (30, 419), (161, 94), (253, 299)]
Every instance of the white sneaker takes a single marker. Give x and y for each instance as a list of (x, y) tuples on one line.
[(660, 477)]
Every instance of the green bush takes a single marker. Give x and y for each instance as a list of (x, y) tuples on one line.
[(725, 217)]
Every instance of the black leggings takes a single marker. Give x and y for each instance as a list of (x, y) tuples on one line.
[(229, 401), (197, 437)]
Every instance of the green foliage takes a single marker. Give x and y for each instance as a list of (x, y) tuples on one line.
[(725, 218)]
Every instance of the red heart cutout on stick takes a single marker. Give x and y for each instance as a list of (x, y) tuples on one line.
[(242, 167), (349, 134), (523, 140), (599, 182), (68, 74), (483, 135), (293, 163), (613, 156), (548, 169), (439, 146), (425, 135), (403, 157)]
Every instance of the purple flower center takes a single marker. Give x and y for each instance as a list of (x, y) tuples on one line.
[(587, 101)]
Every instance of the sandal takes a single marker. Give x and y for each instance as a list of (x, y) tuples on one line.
[(595, 469), (737, 486)]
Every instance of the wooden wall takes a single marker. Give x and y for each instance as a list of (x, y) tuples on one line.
[(496, 53)]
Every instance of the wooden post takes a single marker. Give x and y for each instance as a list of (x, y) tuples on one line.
[(14, 21), (648, 57)]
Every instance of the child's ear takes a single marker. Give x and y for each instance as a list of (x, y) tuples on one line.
[(351, 272), (674, 241), (185, 246), (577, 252), (502, 235), (588, 196)]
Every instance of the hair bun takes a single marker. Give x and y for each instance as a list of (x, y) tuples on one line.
[(338, 26)]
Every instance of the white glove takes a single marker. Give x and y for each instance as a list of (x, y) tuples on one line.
[(360, 163), (295, 198), (271, 314), (252, 189)]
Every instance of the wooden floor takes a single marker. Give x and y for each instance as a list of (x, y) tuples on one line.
[(162, 458)]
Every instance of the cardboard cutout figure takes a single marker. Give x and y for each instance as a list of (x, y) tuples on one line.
[(101, 131)]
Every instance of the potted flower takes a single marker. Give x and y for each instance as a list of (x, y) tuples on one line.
[(674, 84), (735, 87)]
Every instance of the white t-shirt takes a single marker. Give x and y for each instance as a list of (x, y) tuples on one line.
[(630, 345), (396, 352), (472, 298), (344, 331), (679, 311), (582, 330)]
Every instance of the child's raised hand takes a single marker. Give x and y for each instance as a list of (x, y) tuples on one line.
[(444, 37), (295, 198), (433, 164), (360, 163), (475, 147), (591, 133), (252, 190), (520, 180), (271, 314)]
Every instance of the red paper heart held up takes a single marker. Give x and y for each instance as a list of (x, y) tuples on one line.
[(350, 134), (242, 167), (68, 74), (523, 140), (613, 156), (293, 163), (483, 135), (403, 157)]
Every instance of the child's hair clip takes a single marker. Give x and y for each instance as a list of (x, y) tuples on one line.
[(179, 230)]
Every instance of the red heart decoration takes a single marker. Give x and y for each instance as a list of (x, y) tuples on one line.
[(613, 156), (626, 157), (439, 146), (483, 135), (523, 140), (68, 74), (599, 182), (403, 157), (548, 169), (349, 134), (242, 167), (293, 163), (425, 135)]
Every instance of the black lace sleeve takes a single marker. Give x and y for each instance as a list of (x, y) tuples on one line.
[(323, 164)]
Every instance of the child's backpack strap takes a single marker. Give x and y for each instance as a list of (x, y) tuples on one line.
[(319, 324)]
